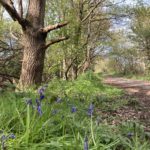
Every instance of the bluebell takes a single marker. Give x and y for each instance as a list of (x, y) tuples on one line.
[(29, 102), (73, 109), (39, 107), (90, 110), (42, 97), (86, 147)]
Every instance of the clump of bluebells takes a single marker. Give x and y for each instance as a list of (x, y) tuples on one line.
[(73, 108), (4, 138), (41, 92)]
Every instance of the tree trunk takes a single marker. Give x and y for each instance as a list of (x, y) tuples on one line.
[(33, 42), (33, 58)]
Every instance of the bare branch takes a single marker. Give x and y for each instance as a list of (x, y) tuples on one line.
[(112, 17), (7, 58), (8, 5), (20, 8), (51, 42), (88, 15), (53, 27), (8, 76)]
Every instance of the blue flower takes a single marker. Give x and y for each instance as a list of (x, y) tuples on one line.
[(42, 97), (86, 147), (39, 107), (39, 110), (4, 138), (37, 102), (12, 136), (73, 109), (130, 134), (90, 110), (29, 102), (41, 90)]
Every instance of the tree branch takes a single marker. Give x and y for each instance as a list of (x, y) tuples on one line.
[(112, 17), (7, 58), (8, 76), (8, 5), (53, 27), (88, 15), (51, 42), (20, 8)]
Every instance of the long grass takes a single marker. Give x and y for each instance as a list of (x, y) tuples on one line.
[(65, 118)]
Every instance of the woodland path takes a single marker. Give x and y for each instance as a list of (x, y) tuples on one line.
[(139, 93)]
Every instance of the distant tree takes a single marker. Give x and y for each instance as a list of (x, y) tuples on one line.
[(124, 57), (10, 51), (141, 29), (88, 25)]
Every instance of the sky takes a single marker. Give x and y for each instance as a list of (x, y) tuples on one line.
[(124, 23), (133, 2)]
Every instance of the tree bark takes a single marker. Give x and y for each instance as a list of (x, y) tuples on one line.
[(33, 58), (33, 41)]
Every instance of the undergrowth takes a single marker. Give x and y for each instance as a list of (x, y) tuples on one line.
[(62, 115)]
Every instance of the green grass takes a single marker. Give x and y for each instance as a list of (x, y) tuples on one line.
[(60, 129)]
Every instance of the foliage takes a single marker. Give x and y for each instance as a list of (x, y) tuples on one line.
[(10, 50), (124, 57), (141, 30), (88, 84), (84, 42), (64, 122)]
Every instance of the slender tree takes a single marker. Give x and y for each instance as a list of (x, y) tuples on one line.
[(141, 30), (88, 26), (33, 38)]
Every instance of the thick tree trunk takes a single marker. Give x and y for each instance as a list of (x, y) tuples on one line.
[(33, 42), (33, 58)]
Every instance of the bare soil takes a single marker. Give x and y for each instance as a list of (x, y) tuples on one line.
[(138, 93)]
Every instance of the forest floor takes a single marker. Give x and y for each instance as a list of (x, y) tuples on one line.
[(138, 93)]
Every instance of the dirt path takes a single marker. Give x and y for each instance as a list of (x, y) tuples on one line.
[(135, 89), (131, 86)]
